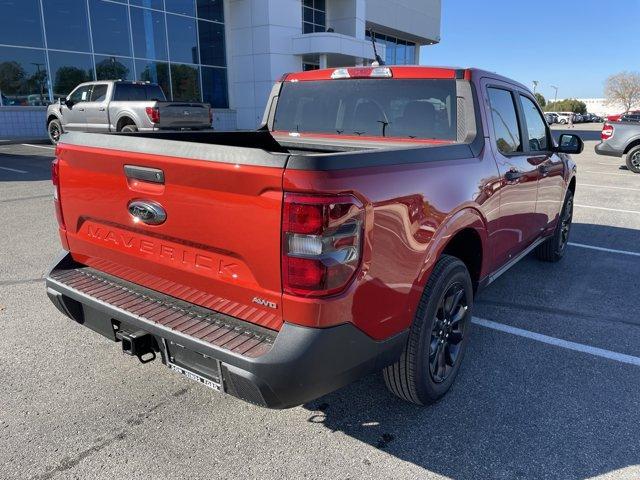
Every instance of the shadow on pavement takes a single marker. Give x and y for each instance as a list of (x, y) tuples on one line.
[(519, 408), (20, 166)]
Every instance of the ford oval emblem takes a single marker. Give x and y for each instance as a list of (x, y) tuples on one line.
[(147, 212)]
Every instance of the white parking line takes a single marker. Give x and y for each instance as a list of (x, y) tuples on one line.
[(608, 186), (608, 209), (602, 249), (608, 173), (37, 146), (13, 170), (577, 347)]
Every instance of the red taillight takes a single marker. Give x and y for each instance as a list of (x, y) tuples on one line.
[(607, 131), (321, 243), (55, 179), (154, 114)]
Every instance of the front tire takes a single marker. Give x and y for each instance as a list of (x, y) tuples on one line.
[(633, 159), (54, 130), (438, 337), (552, 250)]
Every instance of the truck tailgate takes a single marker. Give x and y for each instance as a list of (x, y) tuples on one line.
[(219, 246), (180, 115)]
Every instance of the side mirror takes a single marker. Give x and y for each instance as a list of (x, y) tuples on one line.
[(570, 144), (66, 101)]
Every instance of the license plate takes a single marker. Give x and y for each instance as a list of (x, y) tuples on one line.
[(217, 386)]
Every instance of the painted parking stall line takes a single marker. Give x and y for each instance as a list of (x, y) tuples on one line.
[(603, 249), (607, 209), (606, 187), (558, 342), (15, 170)]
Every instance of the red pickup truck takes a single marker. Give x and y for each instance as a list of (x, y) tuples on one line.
[(349, 234)]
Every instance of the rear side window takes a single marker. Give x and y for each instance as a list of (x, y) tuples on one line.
[(536, 126), (99, 93), (420, 109), (129, 92), (505, 121)]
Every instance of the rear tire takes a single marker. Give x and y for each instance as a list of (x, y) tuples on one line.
[(129, 128), (633, 159), (438, 337), (552, 250), (54, 130)]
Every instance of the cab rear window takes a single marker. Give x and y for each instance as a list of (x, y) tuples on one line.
[(414, 109), (129, 92)]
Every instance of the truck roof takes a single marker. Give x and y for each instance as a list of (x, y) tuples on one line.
[(397, 71)]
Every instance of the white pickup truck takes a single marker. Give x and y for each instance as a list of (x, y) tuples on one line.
[(122, 106)]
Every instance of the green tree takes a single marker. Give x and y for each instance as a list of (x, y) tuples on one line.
[(68, 78), (111, 69), (540, 99), (12, 76), (568, 105), (185, 83)]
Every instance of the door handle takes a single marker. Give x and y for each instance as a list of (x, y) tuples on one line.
[(102, 109), (81, 109), (513, 175)]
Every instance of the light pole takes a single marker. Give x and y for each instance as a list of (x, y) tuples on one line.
[(556, 89), (535, 85)]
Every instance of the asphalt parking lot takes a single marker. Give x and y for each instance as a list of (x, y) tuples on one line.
[(550, 387)]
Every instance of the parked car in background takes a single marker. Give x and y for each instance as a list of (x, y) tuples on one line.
[(564, 117), (551, 118), (123, 106), (621, 139), (349, 234), (630, 117), (577, 118), (587, 117), (616, 118)]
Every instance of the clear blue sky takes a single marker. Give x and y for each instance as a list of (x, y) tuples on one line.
[(573, 44)]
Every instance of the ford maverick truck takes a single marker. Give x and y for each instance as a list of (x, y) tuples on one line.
[(349, 234)]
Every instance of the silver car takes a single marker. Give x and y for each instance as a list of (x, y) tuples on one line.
[(122, 106)]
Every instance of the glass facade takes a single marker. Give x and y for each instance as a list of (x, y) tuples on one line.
[(314, 16), (398, 51), (47, 47)]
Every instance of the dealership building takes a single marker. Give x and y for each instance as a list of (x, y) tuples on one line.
[(224, 52)]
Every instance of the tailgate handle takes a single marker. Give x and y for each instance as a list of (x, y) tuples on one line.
[(146, 174)]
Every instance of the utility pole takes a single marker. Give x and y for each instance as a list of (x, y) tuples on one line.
[(535, 85)]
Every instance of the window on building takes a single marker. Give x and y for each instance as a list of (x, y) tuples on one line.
[(314, 13), (183, 40), (66, 25), (185, 82), (183, 7), (149, 34), (20, 23), (110, 28), (212, 48), (214, 87), (211, 10), (306, 66), (23, 77), (505, 121), (157, 4), (154, 72), (397, 51), (68, 70), (536, 126), (113, 68)]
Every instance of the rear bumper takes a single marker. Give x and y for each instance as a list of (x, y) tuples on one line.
[(285, 369), (603, 148)]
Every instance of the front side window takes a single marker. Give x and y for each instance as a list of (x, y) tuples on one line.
[(536, 126), (505, 121), (81, 94), (415, 109)]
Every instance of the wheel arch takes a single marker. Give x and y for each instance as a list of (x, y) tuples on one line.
[(632, 144), (463, 236), (51, 117), (125, 119)]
